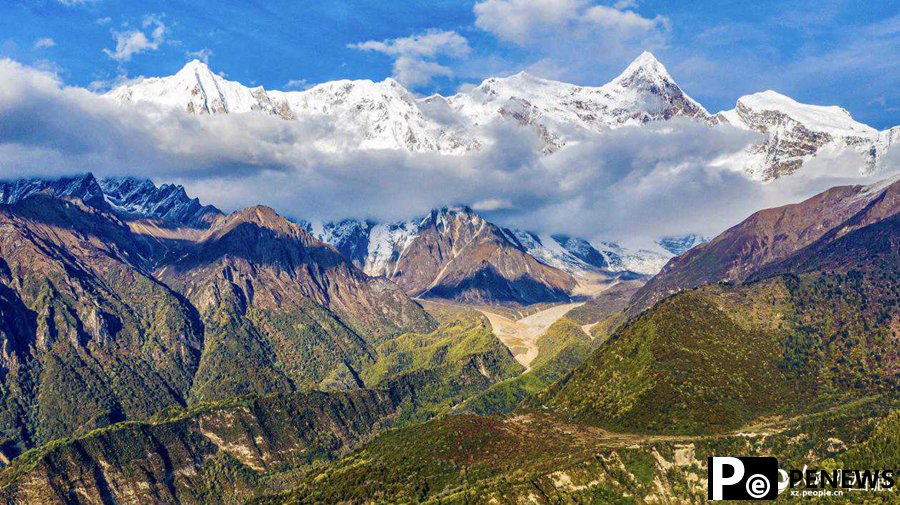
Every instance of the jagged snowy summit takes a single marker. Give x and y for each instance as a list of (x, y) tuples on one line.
[(385, 115)]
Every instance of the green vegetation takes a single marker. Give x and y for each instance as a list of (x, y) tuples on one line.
[(252, 350), (218, 451), (562, 348), (438, 370), (541, 458), (881, 450), (660, 373), (845, 328), (122, 344), (786, 344), (190, 391), (445, 460)]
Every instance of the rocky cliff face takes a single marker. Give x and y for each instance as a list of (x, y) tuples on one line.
[(304, 315), (257, 242)]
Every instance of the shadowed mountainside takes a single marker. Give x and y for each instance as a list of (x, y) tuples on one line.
[(770, 236), (458, 255), (121, 323)]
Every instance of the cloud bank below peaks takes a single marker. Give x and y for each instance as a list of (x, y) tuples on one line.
[(631, 184)]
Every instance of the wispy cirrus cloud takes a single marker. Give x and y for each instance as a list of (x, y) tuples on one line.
[(72, 3), (201, 54), (44, 43), (296, 84)]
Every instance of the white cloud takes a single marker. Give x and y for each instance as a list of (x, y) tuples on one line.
[(202, 54), (623, 23), (44, 43), (527, 22), (573, 39), (415, 72), (131, 42), (430, 44), (492, 204), (625, 4), (521, 21), (296, 84), (631, 184), (49, 66), (72, 3), (415, 56)]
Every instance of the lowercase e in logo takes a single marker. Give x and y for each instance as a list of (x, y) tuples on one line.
[(742, 478)]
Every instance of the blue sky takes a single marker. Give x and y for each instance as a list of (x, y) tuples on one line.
[(825, 52)]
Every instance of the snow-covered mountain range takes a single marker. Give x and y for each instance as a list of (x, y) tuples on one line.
[(83, 187), (384, 115), (797, 132), (379, 249), (168, 202), (128, 196)]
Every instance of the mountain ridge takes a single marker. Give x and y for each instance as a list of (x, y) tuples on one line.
[(816, 331), (768, 237), (811, 322), (369, 244), (129, 197), (93, 310), (385, 115)]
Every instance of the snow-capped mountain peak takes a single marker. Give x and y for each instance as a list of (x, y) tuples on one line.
[(829, 119), (138, 197), (519, 80), (796, 132), (385, 115), (194, 67), (645, 91), (561, 113), (372, 115), (679, 244), (131, 197), (195, 89), (644, 68), (83, 187), (362, 114)]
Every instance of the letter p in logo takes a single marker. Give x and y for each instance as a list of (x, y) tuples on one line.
[(717, 479)]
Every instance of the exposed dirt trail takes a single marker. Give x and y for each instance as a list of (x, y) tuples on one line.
[(521, 335)]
